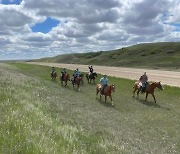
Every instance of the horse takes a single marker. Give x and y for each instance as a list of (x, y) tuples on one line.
[(53, 75), (65, 78), (77, 82), (107, 91), (81, 75), (149, 89), (90, 77)]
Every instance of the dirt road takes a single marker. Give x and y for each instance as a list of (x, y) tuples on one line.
[(166, 77)]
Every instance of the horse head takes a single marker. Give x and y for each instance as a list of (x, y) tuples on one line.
[(95, 74), (159, 86), (113, 87)]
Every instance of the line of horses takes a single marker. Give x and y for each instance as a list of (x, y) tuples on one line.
[(108, 89)]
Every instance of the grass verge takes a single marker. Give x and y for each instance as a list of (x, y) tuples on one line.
[(41, 116)]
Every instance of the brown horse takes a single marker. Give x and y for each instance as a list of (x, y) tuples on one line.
[(82, 76), (90, 77), (149, 89), (53, 75), (77, 82), (107, 91), (65, 78)]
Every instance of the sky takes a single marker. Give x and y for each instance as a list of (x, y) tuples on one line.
[(31, 29)]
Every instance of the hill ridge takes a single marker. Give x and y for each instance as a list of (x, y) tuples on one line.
[(146, 55)]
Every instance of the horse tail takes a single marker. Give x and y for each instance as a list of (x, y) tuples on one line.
[(68, 77), (135, 85)]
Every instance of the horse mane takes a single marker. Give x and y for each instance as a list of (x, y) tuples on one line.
[(152, 83)]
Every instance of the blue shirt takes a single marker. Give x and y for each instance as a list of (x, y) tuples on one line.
[(103, 81), (77, 73)]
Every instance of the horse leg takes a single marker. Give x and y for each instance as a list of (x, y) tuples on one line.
[(134, 92), (146, 96), (78, 87), (105, 98), (138, 93), (97, 92), (111, 100), (154, 97)]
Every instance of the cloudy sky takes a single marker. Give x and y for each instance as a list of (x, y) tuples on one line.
[(43, 28)]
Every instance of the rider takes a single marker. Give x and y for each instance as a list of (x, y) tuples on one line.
[(53, 70), (76, 74), (63, 72), (103, 82), (144, 81), (90, 70)]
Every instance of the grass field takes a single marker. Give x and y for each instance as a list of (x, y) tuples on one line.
[(162, 55), (41, 116)]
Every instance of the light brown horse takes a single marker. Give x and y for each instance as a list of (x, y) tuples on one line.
[(77, 82), (53, 75), (65, 78), (149, 89), (107, 91)]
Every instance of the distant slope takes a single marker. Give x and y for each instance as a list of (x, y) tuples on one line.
[(149, 55)]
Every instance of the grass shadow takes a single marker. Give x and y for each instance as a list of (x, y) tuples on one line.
[(151, 104), (107, 104)]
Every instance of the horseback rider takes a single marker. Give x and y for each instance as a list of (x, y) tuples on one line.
[(53, 70), (76, 74), (103, 82), (90, 70), (144, 81), (63, 72)]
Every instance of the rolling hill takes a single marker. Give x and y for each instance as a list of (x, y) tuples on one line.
[(164, 55)]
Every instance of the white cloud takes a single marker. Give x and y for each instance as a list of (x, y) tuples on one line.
[(85, 26)]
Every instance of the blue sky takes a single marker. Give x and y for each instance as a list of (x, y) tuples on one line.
[(7, 2), (45, 26), (39, 28)]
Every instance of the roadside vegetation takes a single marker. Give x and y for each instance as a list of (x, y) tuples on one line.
[(39, 115), (164, 55)]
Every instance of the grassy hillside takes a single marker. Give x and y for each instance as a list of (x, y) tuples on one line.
[(164, 55), (41, 116)]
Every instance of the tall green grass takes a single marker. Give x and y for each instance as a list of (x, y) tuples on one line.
[(41, 116)]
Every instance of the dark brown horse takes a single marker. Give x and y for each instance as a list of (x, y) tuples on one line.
[(65, 78), (90, 77), (149, 89), (53, 75), (77, 82), (107, 91)]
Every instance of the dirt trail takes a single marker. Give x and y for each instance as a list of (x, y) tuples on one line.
[(171, 78)]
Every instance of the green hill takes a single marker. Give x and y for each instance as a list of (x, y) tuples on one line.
[(165, 55)]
